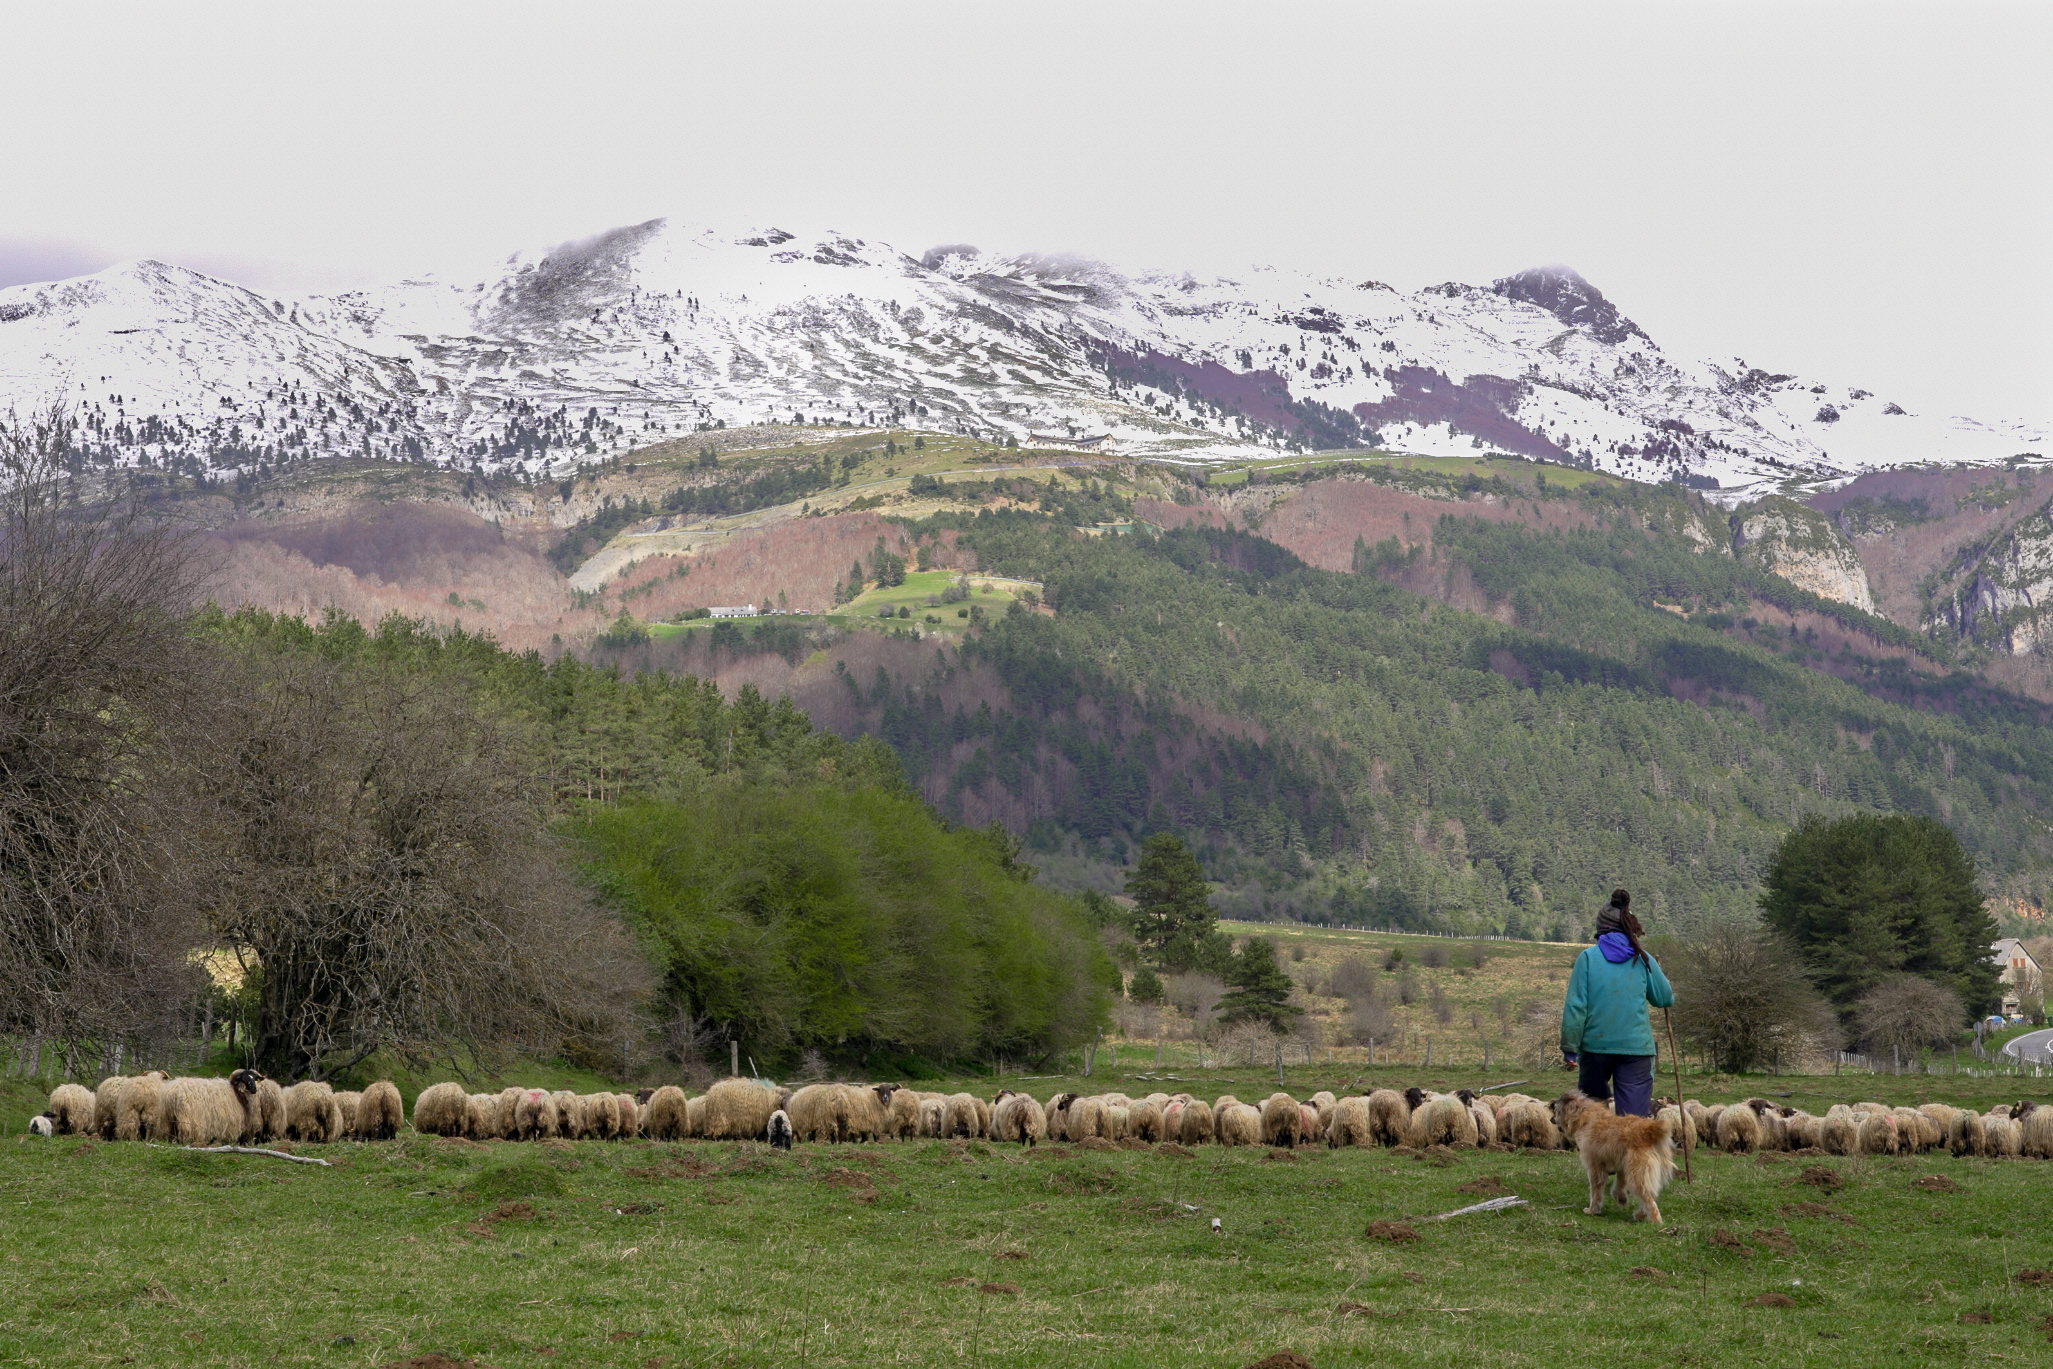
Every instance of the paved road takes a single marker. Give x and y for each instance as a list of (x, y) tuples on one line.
[(2032, 1047)]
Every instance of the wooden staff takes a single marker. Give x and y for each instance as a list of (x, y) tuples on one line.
[(1676, 1059)]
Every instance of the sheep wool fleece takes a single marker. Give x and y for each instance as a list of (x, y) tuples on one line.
[(1606, 1008)]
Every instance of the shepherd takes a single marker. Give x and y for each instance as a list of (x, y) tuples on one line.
[(1605, 1033)]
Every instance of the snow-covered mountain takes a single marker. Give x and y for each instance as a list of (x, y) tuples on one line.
[(657, 330)]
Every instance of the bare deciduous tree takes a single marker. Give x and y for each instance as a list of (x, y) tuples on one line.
[(99, 687), (1907, 1013), (385, 863), (1741, 996)]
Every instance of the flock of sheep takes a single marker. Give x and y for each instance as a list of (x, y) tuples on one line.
[(247, 1108)]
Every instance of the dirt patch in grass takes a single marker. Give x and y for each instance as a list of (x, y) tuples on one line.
[(1282, 1359), (1646, 1273), (1397, 1233), (1817, 1210), (1772, 1300), (1359, 1309), (1172, 1149), (1726, 1240), (1489, 1186), (1777, 1239), (2035, 1278), (857, 1184), (1937, 1183), (1280, 1156), (1821, 1176), (434, 1362), (1000, 1290)]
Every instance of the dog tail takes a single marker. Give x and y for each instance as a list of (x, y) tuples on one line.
[(1649, 1155)]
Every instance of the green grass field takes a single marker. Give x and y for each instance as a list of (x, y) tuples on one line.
[(964, 1253)]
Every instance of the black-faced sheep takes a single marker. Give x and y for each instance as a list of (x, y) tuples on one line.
[(1485, 1119), (72, 1109), (778, 1130), (664, 1119), (43, 1125), (1774, 1133), (1017, 1117)]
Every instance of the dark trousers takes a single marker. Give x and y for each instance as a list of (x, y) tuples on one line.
[(1631, 1075)]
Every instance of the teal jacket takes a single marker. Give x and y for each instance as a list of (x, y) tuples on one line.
[(1606, 1007)]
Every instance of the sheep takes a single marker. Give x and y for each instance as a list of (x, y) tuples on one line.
[(1942, 1114), (72, 1109), (902, 1113), (1350, 1124), (866, 1111), (933, 1117), (778, 1130), (962, 1117), (1707, 1124), (139, 1106), (1017, 1117), (507, 1103), (1804, 1131), (1117, 1121), (570, 1114), (1528, 1122), (602, 1116), (1486, 1120), (1877, 1134), (695, 1116), (481, 1117), (736, 1109), (1194, 1125), (1086, 1119), (1739, 1129), (1839, 1135), (1390, 1117), (1698, 1116), (2035, 1130), (2002, 1136), (441, 1110), (814, 1113), (1682, 1133), (206, 1112), (312, 1114), (1309, 1125), (41, 1125), (1237, 1124), (345, 1105), (664, 1119), (1774, 1132), (1325, 1102), (1968, 1135), (983, 1115), (630, 1115), (1144, 1121), (1442, 1119), (1910, 1130), (1872, 1108)]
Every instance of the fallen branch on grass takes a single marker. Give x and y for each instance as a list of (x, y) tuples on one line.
[(258, 1150), (1494, 1205)]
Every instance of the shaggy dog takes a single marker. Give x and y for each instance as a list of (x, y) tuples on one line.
[(1634, 1149)]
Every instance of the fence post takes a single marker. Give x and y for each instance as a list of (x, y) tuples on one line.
[(1279, 1064), (734, 1058), (1429, 1052)]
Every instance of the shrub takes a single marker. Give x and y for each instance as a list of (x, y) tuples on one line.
[(1742, 997), (1145, 987), (1908, 1013)]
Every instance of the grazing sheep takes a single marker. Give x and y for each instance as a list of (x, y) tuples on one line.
[(1390, 1117), (695, 1116), (1325, 1102), (1840, 1135), (1086, 1119), (737, 1109), (2002, 1136), (602, 1116), (1739, 1129), (1804, 1131), (777, 1131), (814, 1113), (205, 1112), (1707, 1125), (442, 1110), (1118, 1122), (1017, 1117), (902, 1113), (1940, 1113), (1968, 1135), (1528, 1122), (1682, 1133), (508, 1104), (1873, 1109), (964, 1119), (481, 1117), (664, 1119), (1194, 1125), (139, 1103), (106, 1103), (933, 1117), (1485, 1119), (1237, 1124), (345, 1106), (630, 1115), (2035, 1130), (1282, 1121), (1441, 1120), (570, 1115), (1774, 1133), (1222, 1101), (1351, 1124), (312, 1114), (866, 1111), (1877, 1134), (72, 1109), (1144, 1120), (534, 1117), (1910, 1133), (1699, 1116), (40, 1125)]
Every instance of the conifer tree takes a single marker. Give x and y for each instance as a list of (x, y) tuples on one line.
[(1261, 988)]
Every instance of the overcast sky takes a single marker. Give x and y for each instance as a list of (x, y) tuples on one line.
[(1856, 191)]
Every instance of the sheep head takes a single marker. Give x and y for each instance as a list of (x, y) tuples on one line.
[(1414, 1097), (642, 1096), (1467, 1096), (244, 1082)]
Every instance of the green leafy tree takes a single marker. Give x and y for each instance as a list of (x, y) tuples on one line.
[(1173, 918), (1869, 898), (1260, 989)]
